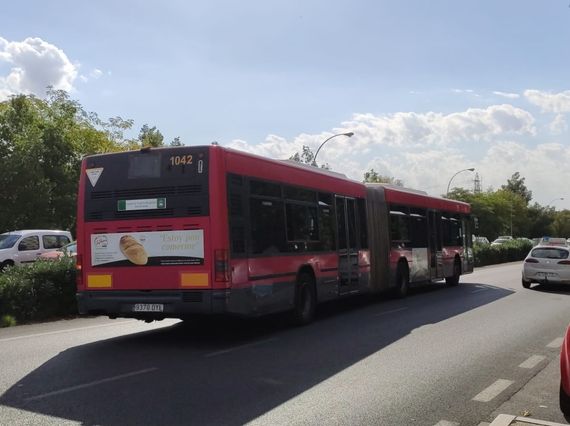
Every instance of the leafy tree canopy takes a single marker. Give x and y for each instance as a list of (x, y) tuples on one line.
[(372, 176), (516, 185)]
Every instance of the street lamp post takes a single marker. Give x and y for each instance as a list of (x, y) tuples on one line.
[(348, 134), (471, 169)]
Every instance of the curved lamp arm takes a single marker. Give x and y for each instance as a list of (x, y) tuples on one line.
[(471, 169), (348, 134)]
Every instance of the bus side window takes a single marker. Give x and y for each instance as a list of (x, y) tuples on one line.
[(326, 223), (267, 222), (237, 214), (361, 204), (419, 229)]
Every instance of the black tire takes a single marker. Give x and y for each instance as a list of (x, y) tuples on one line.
[(402, 281), (305, 300), (564, 403), (5, 265), (454, 279), (525, 284)]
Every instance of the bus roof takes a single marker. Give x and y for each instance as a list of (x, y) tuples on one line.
[(412, 197)]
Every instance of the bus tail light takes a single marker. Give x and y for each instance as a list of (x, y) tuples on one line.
[(222, 265), (78, 270)]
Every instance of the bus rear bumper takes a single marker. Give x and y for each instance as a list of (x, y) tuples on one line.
[(156, 304), (152, 304)]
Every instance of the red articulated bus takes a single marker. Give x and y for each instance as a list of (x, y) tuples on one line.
[(171, 232)]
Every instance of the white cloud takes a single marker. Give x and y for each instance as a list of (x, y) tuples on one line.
[(33, 65), (549, 102), (409, 128), (425, 150), (558, 125), (507, 95), (95, 73)]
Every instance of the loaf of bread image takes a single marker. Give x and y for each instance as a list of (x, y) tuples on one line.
[(133, 250)]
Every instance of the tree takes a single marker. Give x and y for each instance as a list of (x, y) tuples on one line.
[(306, 157), (560, 226), (42, 143), (372, 176), (516, 185), (176, 142), (150, 136)]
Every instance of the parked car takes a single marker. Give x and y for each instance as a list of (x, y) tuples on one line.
[(550, 241), (25, 246), (547, 264), (480, 240), (501, 240), (68, 250), (565, 375)]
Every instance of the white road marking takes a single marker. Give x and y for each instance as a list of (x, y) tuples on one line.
[(492, 391), (556, 343), (87, 385), (480, 290), (236, 348), (391, 311), (446, 423), (532, 362), (68, 330), (484, 424)]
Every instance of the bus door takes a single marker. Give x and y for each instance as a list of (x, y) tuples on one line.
[(435, 245), (347, 246)]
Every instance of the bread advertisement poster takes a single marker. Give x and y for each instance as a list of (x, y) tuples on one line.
[(161, 248)]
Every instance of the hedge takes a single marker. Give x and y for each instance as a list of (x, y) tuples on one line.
[(40, 291), (511, 251)]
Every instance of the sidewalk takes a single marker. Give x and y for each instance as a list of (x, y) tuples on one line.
[(538, 398), (508, 420)]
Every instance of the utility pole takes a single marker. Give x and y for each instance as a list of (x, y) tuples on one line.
[(477, 184)]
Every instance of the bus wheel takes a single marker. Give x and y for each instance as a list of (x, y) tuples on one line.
[(402, 281), (454, 279), (305, 300)]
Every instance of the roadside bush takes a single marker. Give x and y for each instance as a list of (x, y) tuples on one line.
[(511, 251), (42, 290)]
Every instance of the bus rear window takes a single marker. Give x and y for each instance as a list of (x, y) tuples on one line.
[(150, 183), (144, 166)]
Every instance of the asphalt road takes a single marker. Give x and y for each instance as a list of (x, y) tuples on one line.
[(443, 356)]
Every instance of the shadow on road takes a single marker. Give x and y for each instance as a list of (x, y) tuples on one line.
[(551, 288), (228, 371)]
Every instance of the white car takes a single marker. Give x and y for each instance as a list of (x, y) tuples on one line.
[(547, 264), (21, 247)]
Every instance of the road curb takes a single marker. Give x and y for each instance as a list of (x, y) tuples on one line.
[(507, 420)]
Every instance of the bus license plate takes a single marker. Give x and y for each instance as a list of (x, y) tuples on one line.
[(148, 307)]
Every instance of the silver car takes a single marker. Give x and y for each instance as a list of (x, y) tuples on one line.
[(547, 264)]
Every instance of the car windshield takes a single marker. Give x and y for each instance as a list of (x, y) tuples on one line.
[(8, 240), (549, 253)]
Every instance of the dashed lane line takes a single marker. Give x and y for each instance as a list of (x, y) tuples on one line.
[(236, 348), (392, 311), (532, 361), (493, 391), (556, 343), (90, 384)]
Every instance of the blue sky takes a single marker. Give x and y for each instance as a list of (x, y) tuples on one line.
[(428, 88)]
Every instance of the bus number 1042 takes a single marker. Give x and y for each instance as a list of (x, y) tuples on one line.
[(177, 160)]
